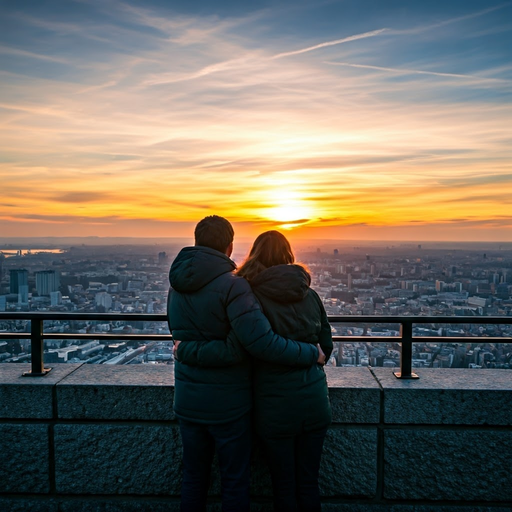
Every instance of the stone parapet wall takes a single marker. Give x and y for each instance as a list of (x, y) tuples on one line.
[(104, 438)]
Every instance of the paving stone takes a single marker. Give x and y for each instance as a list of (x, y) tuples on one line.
[(118, 459), (448, 397), (29, 397), (144, 392), (355, 395), (466, 465), (24, 463)]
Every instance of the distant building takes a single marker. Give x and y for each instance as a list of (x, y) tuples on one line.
[(47, 281), (104, 299), (56, 298), (23, 294), (18, 277)]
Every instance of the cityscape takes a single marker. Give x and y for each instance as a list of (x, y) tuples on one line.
[(352, 278)]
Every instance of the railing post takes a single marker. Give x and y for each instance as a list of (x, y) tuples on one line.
[(36, 350), (406, 354)]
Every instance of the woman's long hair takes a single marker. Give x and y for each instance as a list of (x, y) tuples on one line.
[(269, 249)]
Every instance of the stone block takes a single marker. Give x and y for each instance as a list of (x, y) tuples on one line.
[(29, 397), (354, 394), (24, 463), (118, 459), (466, 465), (131, 505), (144, 392), (448, 397), (349, 463), (28, 505), (433, 507)]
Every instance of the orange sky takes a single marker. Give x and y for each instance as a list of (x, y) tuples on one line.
[(362, 131)]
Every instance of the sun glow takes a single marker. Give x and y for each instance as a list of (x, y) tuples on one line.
[(289, 208)]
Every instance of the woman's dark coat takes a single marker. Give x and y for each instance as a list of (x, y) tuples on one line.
[(290, 400)]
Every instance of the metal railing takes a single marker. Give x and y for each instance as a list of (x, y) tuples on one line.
[(405, 338)]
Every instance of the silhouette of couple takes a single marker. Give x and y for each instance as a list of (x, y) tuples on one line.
[(250, 345)]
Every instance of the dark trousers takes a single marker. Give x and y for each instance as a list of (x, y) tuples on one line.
[(294, 464), (232, 442)]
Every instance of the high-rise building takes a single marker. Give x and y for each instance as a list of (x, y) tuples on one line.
[(56, 298), (104, 299), (23, 294), (47, 281), (18, 277)]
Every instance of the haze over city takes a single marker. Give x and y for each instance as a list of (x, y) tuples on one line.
[(332, 120)]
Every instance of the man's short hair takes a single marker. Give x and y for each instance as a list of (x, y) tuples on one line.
[(214, 232)]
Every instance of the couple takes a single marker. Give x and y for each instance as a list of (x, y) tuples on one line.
[(250, 348)]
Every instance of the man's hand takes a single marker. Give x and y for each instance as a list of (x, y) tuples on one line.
[(321, 355), (175, 350)]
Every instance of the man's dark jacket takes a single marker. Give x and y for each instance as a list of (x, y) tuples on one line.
[(205, 302)]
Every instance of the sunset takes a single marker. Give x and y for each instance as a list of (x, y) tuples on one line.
[(339, 120)]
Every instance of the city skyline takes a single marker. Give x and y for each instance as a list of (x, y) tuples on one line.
[(335, 120)]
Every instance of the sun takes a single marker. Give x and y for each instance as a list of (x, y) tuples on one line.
[(286, 213), (285, 202), (291, 213)]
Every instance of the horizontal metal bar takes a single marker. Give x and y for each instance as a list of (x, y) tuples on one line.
[(95, 317), (146, 317), (425, 339), (102, 336), (337, 339)]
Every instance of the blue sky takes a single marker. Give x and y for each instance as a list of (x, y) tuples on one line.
[(367, 119)]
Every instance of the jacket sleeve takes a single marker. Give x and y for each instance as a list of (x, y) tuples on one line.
[(325, 336), (255, 333), (212, 353)]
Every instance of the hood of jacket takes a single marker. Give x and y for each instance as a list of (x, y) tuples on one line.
[(195, 267), (282, 283)]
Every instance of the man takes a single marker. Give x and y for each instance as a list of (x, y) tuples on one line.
[(213, 400)]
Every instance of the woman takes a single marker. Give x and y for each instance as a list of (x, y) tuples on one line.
[(291, 405)]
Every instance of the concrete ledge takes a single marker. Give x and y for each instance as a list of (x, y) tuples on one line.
[(103, 438), (136, 392), (355, 395), (448, 397), (117, 459), (466, 465), (29, 397)]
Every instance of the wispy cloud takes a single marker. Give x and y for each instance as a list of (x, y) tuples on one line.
[(404, 71), (425, 28), (32, 55), (326, 44)]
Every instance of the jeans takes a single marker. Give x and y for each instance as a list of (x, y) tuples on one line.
[(232, 441), (294, 464)]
